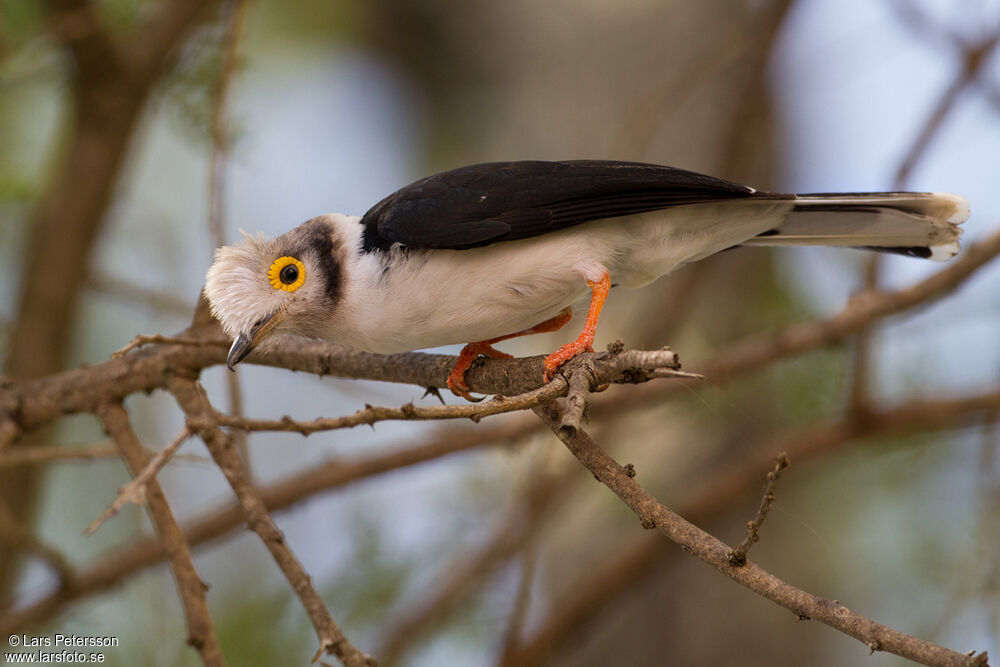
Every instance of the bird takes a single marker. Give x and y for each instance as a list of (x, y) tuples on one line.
[(487, 252)]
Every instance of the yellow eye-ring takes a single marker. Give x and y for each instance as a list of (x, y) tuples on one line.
[(287, 273)]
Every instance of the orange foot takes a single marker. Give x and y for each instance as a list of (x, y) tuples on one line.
[(584, 343), (456, 379)]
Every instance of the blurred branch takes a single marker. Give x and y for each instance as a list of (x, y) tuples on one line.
[(159, 301), (468, 571), (974, 57), (39, 454), (232, 21), (111, 80), (522, 601), (708, 549), (30, 455), (201, 628), (126, 561), (20, 538)]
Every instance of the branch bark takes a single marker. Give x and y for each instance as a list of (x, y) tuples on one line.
[(201, 628), (653, 514), (193, 401)]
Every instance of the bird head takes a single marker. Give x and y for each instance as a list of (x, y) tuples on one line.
[(263, 286)]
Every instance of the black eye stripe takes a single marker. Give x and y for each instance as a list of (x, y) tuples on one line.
[(289, 274)]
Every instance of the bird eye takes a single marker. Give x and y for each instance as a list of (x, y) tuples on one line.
[(289, 274), (286, 273)]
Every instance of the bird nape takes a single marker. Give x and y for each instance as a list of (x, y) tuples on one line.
[(493, 251)]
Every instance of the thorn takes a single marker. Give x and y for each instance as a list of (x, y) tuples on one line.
[(433, 391)]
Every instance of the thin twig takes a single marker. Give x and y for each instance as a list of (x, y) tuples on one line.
[(725, 488), (201, 628), (586, 372), (142, 340), (145, 552), (371, 414), (135, 490), (653, 514), (192, 400), (738, 556)]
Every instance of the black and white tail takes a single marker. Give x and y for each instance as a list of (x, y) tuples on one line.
[(919, 224)]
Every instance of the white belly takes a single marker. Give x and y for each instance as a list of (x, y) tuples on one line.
[(429, 298)]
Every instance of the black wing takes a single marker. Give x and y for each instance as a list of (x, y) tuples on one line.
[(502, 201)]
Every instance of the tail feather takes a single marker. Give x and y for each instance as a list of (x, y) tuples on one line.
[(916, 224)]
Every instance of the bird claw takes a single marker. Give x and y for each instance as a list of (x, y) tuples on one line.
[(456, 383), (554, 361)]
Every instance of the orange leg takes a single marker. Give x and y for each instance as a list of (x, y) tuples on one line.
[(456, 379), (599, 292)]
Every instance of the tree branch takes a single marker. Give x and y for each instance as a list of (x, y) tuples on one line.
[(653, 514), (738, 556), (725, 488), (201, 629), (135, 490), (193, 401), (111, 569)]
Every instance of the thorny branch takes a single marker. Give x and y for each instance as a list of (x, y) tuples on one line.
[(192, 400), (725, 486), (135, 490), (201, 628), (653, 514)]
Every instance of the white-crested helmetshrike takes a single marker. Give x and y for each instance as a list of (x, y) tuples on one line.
[(488, 252)]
